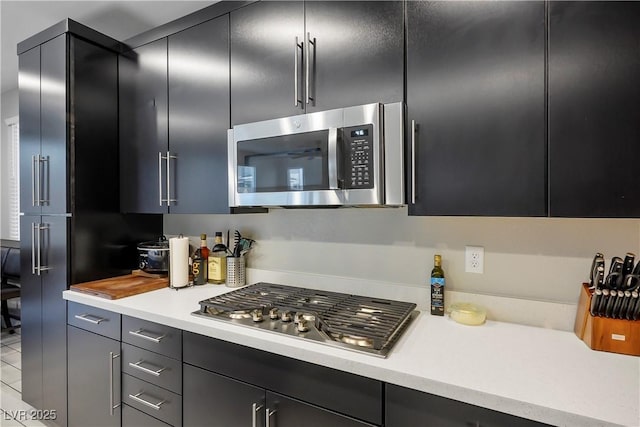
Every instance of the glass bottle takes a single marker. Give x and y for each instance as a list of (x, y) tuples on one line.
[(218, 261), (437, 287), (199, 265)]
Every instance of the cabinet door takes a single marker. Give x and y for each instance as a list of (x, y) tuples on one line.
[(143, 128), (55, 263), (29, 113), (30, 314), (54, 123), (358, 56), (199, 117), (285, 412), (476, 92), (594, 109), (216, 401), (94, 379), (263, 61), (404, 406)]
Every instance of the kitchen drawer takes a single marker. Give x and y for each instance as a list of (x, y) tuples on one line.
[(152, 336), (93, 319), (338, 391), (155, 368), (152, 400), (133, 418)]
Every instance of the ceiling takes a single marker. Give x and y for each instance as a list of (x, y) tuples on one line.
[(121, 20)]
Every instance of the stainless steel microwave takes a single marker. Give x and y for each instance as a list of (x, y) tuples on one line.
[(345, 157)]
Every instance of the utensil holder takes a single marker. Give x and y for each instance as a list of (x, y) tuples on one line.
[(236, 272), (604, 334)]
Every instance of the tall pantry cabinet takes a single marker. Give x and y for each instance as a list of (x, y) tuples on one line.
[(71, 230)]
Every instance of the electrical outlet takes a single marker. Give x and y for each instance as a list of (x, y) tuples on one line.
[(474, 259)]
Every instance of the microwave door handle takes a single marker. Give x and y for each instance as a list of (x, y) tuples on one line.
[(332, 166)]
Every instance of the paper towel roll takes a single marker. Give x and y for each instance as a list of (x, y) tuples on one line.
[(178, 262)]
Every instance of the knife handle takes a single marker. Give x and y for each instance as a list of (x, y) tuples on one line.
[(594, 264), (616, 265), (595, 301), (602, 304), (627, 265)]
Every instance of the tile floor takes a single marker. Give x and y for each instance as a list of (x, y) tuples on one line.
[(11, 403)]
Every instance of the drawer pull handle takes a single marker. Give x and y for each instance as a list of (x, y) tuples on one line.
[(139, 334), (268, 413), (138, 399), (112, 404), (90, 318), (138, 366)]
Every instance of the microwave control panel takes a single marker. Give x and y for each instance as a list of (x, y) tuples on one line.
[(358, 149)]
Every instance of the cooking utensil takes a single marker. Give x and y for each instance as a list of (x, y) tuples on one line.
[(610, 303), (627, 265), (595, 302), (153, 256), (616, 265), (598, 259)]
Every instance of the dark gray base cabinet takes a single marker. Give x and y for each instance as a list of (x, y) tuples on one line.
[(94, 379), (249, 382), (405, 407)]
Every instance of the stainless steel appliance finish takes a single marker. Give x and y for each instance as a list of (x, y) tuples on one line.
[(358, 323), (344, 157)]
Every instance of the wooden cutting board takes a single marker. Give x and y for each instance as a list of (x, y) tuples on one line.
[(121, 286)]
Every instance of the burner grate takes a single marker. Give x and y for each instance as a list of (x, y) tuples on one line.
[(354, 320)]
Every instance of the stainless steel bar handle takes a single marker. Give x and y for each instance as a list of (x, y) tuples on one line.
[(41, 228), (169, 199), (139, 334), (138, 366), (160, 177), (138, 399), (332, 158), (43, 187), (267, 418), (38, 181), (38, 249), (255, 408), (307, 57), (33, 247), (33, 180), (90, 318), (112, 357), (296, 101), (413, 161)]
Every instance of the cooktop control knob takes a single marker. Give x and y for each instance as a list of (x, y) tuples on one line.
[(298, 317), (303, 325), (256, 316), (287, 316), (273, 314)]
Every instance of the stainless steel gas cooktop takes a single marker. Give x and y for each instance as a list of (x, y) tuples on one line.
[(363, 324)]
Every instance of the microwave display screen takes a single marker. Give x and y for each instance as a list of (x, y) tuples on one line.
[(359, 132)]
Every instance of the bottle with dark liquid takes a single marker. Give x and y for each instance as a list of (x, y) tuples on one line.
[(437, 287), (199, 265)]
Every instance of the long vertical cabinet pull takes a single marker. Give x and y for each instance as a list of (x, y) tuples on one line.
[(38, 249), (297, 46), (267, 417), (34, 196), (112, 406), (160, 199), (169, 157), (307, 58), (34, 269), (44, 187), (255, 408), (42, 228), (413, 161)]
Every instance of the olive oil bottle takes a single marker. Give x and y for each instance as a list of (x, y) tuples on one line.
[(437, 287)]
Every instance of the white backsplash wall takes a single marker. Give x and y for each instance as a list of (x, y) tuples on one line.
[(532, 258)]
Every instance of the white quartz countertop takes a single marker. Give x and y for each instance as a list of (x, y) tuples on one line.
[(541, 374)]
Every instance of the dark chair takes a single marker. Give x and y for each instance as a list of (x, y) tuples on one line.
[(10, 269)]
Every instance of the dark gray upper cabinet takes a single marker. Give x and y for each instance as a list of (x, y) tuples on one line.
[(594, 109), (476, 100), (266, 64), (199, 117), (294, 57), (143, 128), (358, 54), (174, 114), (65, 116)]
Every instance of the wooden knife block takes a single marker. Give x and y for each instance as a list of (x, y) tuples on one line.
[(603, 334)]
